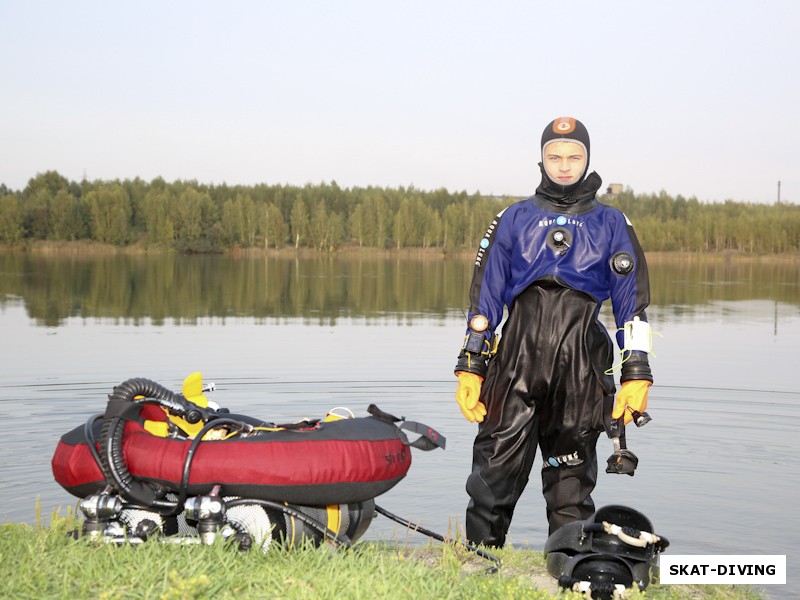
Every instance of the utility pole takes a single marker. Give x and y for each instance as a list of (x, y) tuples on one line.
[(779, 192)]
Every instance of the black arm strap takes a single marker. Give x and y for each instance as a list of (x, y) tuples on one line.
[(429, 437)]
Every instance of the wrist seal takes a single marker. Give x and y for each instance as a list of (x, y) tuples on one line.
[(472, 363), (636, 366)]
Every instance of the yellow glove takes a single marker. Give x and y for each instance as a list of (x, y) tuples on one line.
[(632, 397), (467, 393)]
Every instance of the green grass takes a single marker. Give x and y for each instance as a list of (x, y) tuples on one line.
[(42, 561)]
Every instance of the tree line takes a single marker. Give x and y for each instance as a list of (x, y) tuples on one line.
[(188, 216)]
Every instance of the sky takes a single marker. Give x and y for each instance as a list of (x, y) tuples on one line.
[(694, 98)]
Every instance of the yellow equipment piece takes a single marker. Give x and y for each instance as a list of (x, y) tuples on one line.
[(193, 391)]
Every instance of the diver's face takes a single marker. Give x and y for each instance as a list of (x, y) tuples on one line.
[(564, 162)]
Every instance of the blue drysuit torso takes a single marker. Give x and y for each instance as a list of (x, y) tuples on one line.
[(591, 248)]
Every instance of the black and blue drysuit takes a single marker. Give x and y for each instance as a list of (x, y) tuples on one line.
[(552, 262)]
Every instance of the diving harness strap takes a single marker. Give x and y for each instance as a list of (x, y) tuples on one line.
[(429, 438)]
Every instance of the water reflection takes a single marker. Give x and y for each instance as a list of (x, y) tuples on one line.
[(135, 289), (681, 286)]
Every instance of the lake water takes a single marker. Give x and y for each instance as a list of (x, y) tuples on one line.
[(290, 338)]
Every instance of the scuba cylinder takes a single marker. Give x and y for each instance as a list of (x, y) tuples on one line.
[(292, 526)]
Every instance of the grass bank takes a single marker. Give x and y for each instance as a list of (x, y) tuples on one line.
[(41, 561)]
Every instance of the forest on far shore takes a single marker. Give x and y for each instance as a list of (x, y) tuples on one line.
[(187, 216)]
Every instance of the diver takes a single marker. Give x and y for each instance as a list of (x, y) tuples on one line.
[(551, 260)]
